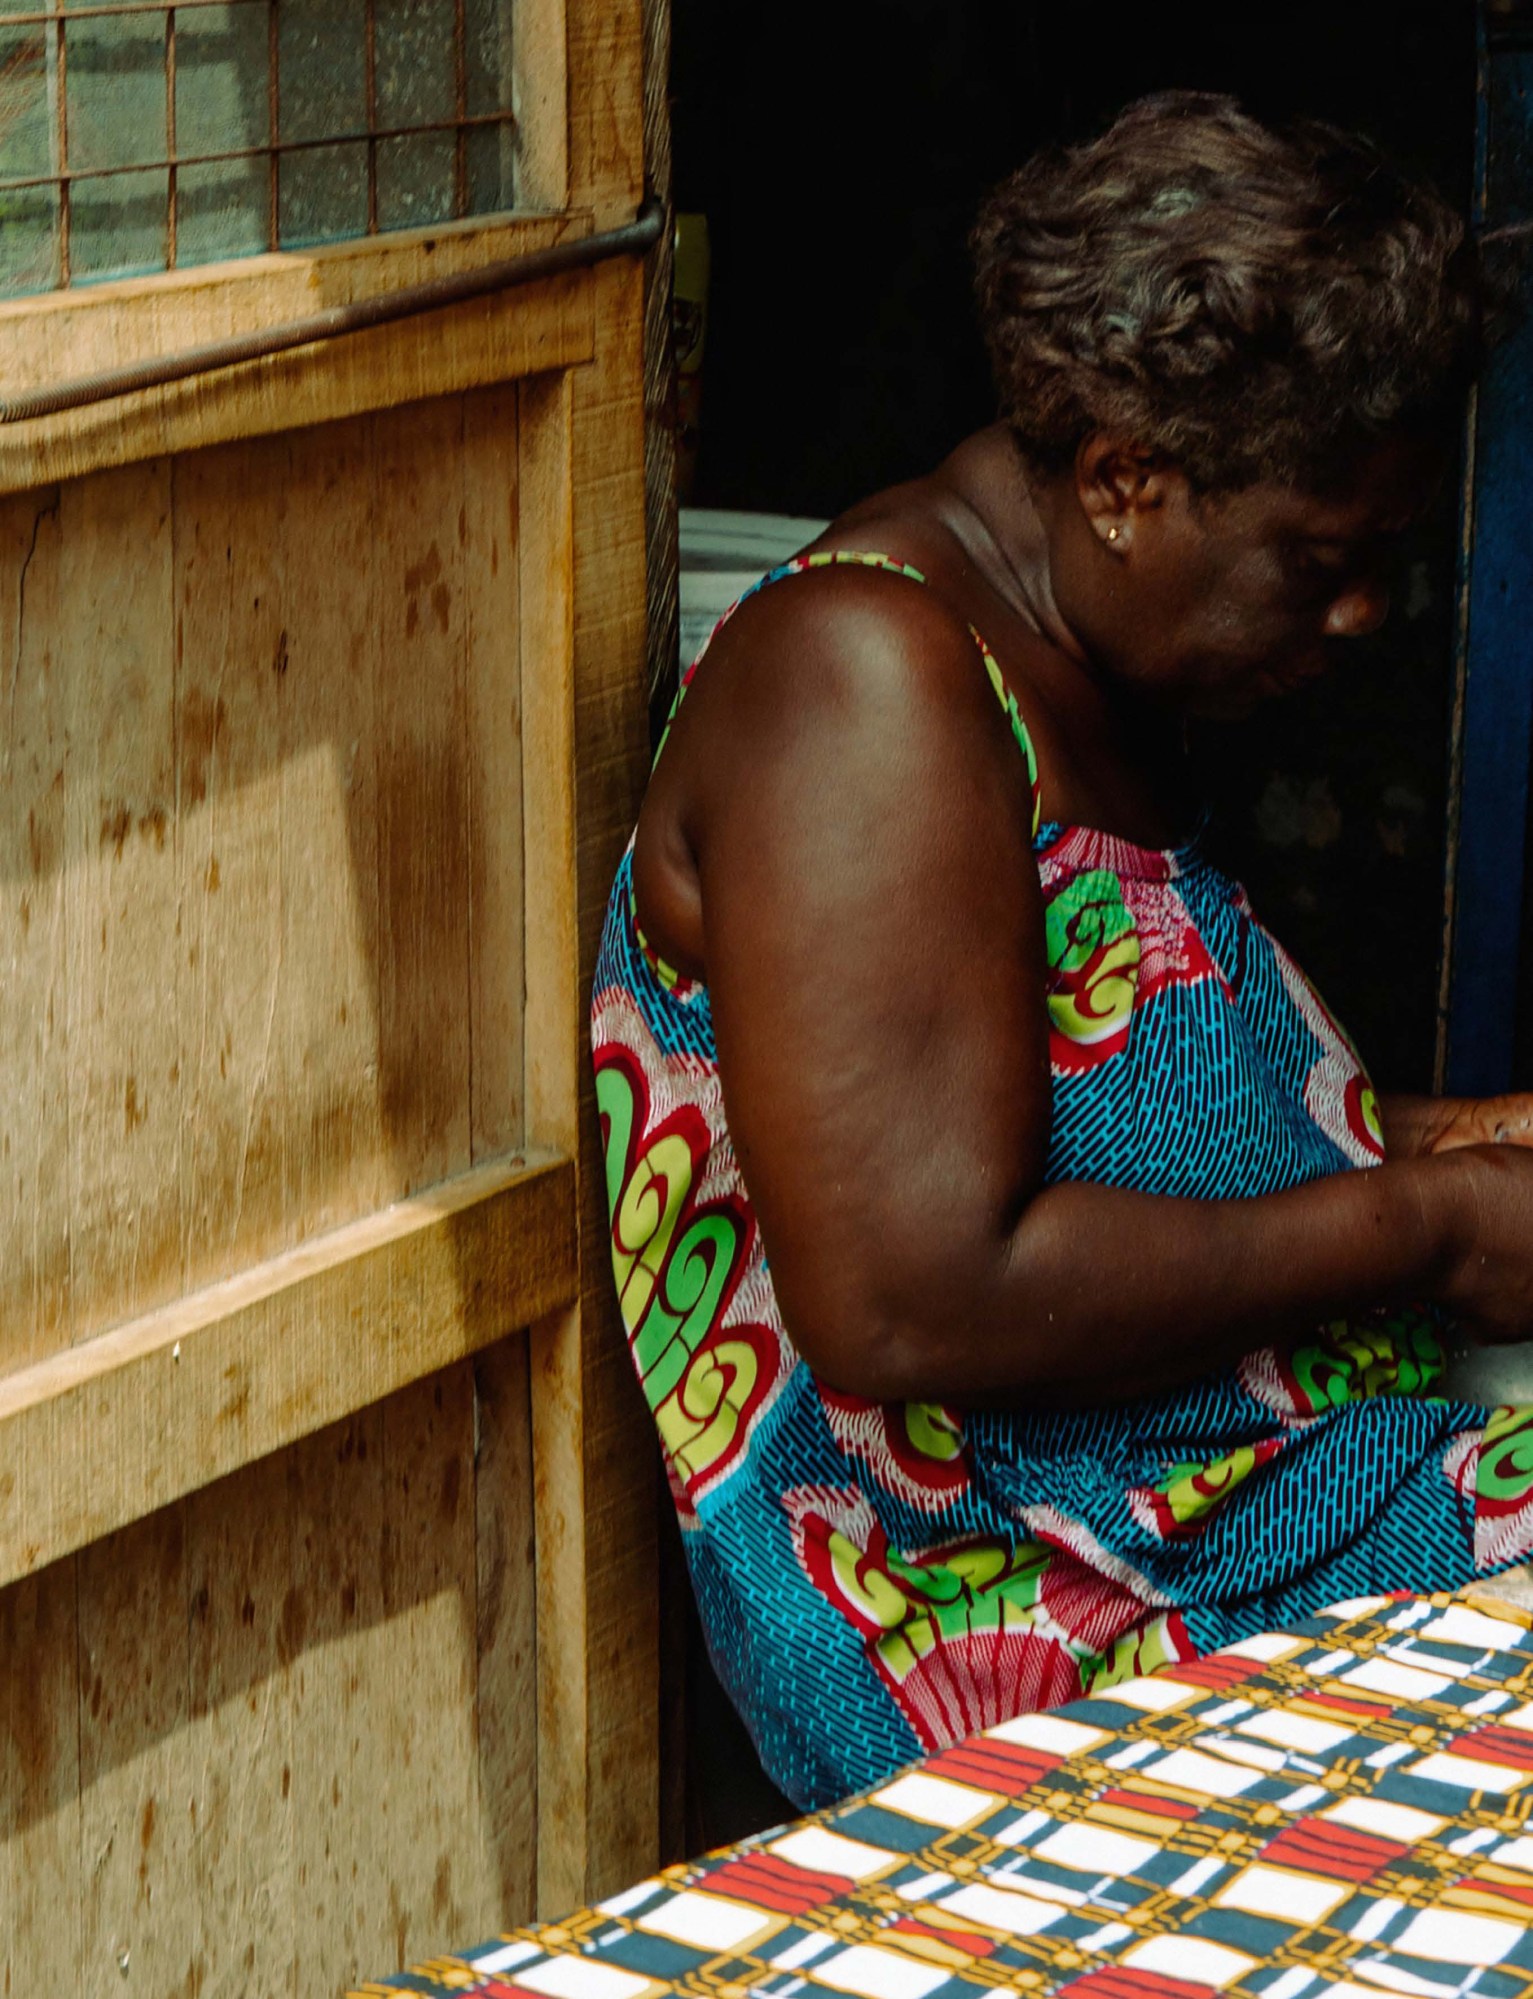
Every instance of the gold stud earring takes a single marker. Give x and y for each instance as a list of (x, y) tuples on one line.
[(1113, 533)]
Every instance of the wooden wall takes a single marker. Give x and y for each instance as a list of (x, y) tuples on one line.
[(328, 1637)]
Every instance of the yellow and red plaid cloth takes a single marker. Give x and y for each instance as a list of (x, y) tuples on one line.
[(1338, 1809)]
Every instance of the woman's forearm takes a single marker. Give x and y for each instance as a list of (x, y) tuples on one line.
[(1414, 1125), (1101, 1294)]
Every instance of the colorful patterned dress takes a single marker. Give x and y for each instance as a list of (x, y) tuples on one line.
[(878, 1580)]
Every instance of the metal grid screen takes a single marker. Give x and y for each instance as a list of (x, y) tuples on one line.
[(139, 136)]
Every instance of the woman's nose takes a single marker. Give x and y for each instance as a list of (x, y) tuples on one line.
[(1357, 611)]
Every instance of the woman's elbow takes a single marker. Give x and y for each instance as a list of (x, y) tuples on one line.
[(878, 1352)]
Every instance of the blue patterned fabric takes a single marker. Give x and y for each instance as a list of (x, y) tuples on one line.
[(876, 1581)]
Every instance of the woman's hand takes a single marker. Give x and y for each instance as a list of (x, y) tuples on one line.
[(1416, 1127), (1489, 1282)]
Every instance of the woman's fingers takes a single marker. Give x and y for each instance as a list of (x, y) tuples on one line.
[(1505, 1120)]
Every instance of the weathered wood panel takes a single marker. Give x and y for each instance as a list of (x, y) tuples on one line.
[(74, 333), (609, 1834), (242, 1748), (266, 707), (95, 1437), (317, 749)]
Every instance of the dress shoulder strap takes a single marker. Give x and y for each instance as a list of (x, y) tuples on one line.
[(829, 558)]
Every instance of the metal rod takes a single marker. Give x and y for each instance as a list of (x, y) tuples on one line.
[(44, 17), (371, 79), (273, 130), (61, 76), (460, 108), (632, 239), (170, 138), (174, 160)]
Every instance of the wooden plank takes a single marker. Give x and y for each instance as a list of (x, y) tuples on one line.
[(611, 761), (497, 891), (541, 72), (232, 653), (535, 328), (34, 1071), (337, 1160), (340, 1783), (596, 1491), (137, 1798), (40, 1784), (552, 1095), (564, 1662), (245, 1625), (507, 1627), (550, 1021), (431, 1844), (605, 40), (422, 790), (114, 648), (103, 1433)]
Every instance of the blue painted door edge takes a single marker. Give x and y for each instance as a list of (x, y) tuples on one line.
[(1493, 697)]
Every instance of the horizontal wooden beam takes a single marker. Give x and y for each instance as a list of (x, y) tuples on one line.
[(105, 1432), (64, 335)]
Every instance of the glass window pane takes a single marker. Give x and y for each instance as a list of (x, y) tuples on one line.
[(487, 55), (117, 225), (117, 98), (222, 210), (223, 105), (415, 62), (321, 69), (26, 103), (490, 157), (29, 241), (222, 73), (416, 178), (322, 195), (249, 153), (29, 250)]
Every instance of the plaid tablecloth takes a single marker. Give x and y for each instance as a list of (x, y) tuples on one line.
[(1342, 1808)]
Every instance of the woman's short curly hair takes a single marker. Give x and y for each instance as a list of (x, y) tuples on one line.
[(1251, 302)]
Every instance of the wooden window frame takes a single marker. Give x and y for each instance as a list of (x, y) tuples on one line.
[(67, 334)]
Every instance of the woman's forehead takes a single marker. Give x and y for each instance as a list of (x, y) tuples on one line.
[(1392, 487)]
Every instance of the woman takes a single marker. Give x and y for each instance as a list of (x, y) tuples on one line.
[(984, 1218)]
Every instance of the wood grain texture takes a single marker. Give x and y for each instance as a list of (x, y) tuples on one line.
[(40, 1940), (541, 71), (335, 1149), (137, 1780), (68, 334), (420, 527), (34, 1134), (660, 514), (604, 1492), (611, 752), (286, 1719), (114, 639), (231, 1087), (260, 852), (492, 561), (245, 1624), (339, 1779), (507, 1694), (103, 1433), (247, 1762), (605, 40)]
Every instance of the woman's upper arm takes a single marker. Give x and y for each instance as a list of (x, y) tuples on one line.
[(873, 938)]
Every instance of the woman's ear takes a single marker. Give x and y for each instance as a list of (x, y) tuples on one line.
[(1116, 482)]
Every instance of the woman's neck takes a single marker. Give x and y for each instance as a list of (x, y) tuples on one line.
[(995, 513)]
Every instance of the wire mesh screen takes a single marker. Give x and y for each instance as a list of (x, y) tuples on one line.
[(137, 136)]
